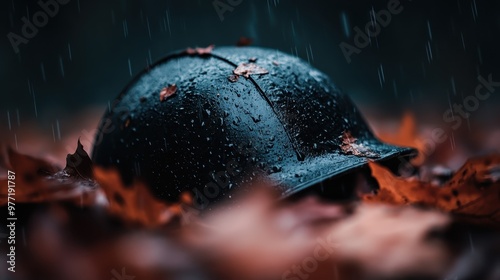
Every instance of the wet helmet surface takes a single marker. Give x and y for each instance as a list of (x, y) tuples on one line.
[(216, 130)]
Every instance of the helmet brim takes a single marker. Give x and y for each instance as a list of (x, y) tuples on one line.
[(300, 176)]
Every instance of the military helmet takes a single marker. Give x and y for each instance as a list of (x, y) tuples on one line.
[(211, 121)]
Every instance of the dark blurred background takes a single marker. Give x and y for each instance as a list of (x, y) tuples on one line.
[(428, 57)]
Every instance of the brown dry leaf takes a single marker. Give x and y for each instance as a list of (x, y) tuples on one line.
[(167, 92), (247, 69), (399, 191), (473, 193), (134, 204), (261, 238), (409, 135), (383, 242), (38, 181), (351, 146), (406, 134), (200, 51)]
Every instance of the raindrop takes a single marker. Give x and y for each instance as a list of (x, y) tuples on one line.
[(345, 23), (452, 141), (129, 67), (58, 129), (42, 68), (69, 52), (149, 28), (474, 9), (125, 28), (311, 51), (463, 41), (61, 65), (15, 139), (381, 76), (168, 23), (8, 119), (32, 91), (429, 30), (429, 51)]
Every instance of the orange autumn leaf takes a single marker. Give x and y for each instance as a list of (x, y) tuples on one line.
[(38, 181), (200, 51), (473, 193), (406, 134), (167, 92), (398, 191), (247, 69), (134, 204), (351, 146)]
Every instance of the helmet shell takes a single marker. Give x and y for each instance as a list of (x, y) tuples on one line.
[(218, 132)]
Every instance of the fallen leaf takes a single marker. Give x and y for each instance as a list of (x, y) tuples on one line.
[(167, 92), (351, 146), (247, 69), (261, 226), (392, 242), (200, 51), (79, 164), (400, 191), (133, 204), (473, 192), (405, 135), (38, 181)]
